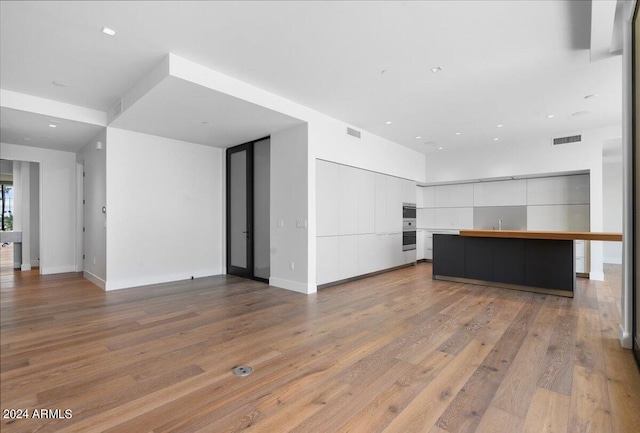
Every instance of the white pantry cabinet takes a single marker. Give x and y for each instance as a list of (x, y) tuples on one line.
[(348, 206), (359, 221), (381, 203), (327, 198), (366, 198)]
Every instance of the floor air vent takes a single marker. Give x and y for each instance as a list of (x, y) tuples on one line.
[(353, 132), (564, 140)]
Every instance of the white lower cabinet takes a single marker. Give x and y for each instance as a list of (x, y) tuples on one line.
[(382, 257), (367, 254), (327, 259), (420, 244), (348, 253), (582, 256), (395, 247), (428, 245)]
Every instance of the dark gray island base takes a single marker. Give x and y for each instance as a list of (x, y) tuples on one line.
[(535, 265)]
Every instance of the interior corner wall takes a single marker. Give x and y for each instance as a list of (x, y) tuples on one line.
[(289, 210), (164, 209), (518, 159), (57, 200), (94, 163)]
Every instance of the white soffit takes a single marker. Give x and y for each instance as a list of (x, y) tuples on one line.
[(181, 110), (603, 14)]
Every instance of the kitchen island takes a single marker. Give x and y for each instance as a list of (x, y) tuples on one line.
[(535, 261)]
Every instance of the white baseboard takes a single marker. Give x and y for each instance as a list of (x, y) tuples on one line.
[(625, 339), (157, 279), (612, 260), (95, 279), (293, 285), (35, 263), (46, 270), (597, 276), (25, 267)]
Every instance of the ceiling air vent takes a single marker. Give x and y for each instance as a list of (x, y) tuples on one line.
[(117, 109), (564, 140), (353, 132)]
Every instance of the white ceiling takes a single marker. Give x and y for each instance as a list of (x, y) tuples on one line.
[(504, 62)]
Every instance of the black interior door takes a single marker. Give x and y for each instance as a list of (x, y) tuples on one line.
[(240, 210)]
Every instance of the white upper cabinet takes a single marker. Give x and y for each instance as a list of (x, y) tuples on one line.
[(380, 219), (571, 217), (409, 191), (454, 218), (454, 195), (501, 193), (426, 218), (394, 205), (348, 206), (327, 198), (428, 196), (558, 190), (366, 198)]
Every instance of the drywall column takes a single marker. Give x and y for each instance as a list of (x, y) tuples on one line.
[(17, 212), (289, 210), (627, 180), (22, 214)]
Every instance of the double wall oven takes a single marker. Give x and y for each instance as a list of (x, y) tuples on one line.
[(408, 226)]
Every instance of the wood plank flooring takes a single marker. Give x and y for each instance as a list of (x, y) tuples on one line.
[(398, 352)]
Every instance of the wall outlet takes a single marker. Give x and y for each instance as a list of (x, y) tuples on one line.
[(94, 260), (292, 266), (301, 224)]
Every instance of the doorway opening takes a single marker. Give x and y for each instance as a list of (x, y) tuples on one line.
[(248, 210)]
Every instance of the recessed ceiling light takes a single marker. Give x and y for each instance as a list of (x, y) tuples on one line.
[(439, 147), (388, 122), (59, 84), (383, 71), (581, 113), (108, 31), (53, 125), (458, 133), (436, 69), (550, 116), (499, 126), (418, 137), (595, 95), (496, 139)]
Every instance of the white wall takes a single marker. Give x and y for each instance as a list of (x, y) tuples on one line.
[(518, 159), (95, 197), (57, 200), (289, 208), (164, 209), (612, 209)]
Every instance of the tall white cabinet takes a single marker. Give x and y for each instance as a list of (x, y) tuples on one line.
[(359, 221)]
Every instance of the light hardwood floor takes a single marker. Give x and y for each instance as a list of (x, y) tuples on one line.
[(397, 352)]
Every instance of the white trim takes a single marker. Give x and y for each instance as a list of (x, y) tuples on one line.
[(57, 269), (25, 267), (157, 279), (293, 285), (597, 276), (95, 279), (625, 338)]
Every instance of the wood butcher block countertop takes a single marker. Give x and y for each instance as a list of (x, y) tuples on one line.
[(526, 234)]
